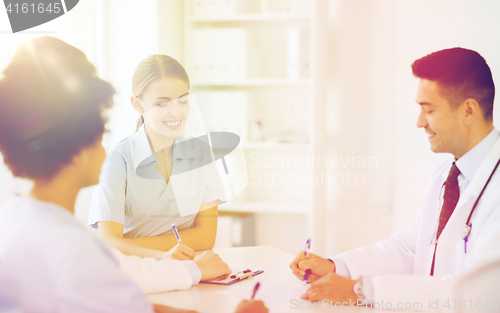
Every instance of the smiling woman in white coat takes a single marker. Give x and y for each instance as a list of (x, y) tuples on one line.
[(457, 226)]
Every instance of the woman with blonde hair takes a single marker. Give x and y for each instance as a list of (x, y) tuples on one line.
[(137, 201)]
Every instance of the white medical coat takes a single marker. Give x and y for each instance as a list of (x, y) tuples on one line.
[(399, 266)]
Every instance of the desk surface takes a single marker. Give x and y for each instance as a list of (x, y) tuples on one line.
[(280, 290)]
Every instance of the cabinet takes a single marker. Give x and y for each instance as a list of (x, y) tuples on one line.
[(257, 57)]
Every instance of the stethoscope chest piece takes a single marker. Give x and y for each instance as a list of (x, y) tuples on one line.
[(466, 232)]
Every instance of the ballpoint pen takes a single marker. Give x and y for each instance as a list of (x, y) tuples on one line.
[(257, 285), (176, 233), (306, 252)]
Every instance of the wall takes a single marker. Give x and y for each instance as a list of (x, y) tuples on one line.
[(431, 26), (372, 109)]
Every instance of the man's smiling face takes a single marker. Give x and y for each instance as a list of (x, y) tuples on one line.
[(443, 123)]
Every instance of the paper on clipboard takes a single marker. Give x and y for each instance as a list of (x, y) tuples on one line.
[(237, 274)]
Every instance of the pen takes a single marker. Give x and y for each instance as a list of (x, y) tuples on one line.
[(176, 233), (257, 285), (306, 252)]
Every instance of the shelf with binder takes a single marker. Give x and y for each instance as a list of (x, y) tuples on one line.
[(242, 55), (265, 118), (285, 17), (254, 82), (266, 207), (214, 9), (268, 145), (264, 49)]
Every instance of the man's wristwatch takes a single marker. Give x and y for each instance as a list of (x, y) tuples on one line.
[(358, 288)]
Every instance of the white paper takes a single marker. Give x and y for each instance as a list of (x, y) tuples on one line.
[(271, 293)]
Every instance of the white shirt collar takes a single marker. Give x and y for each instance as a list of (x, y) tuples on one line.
[(142, 150), (143, 154), (470, 161)]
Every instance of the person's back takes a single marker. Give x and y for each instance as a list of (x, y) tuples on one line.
[(50, 132), (51, 263), (51, 128)]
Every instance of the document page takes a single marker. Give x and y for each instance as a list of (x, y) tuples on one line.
[(271, 293)]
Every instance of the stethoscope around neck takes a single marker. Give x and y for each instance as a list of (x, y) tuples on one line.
[(468, 224)]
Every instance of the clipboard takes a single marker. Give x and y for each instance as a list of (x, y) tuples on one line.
[(237, 275)]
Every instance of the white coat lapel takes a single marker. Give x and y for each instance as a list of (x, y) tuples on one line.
[(467, 200), (450, 240)]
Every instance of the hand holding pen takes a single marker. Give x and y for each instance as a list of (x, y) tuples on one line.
[(252, 306), (309, 267), (306, 253), (176, 233), (180, 251)]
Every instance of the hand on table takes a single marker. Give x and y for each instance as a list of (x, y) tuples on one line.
[(158, 308), (254, 306), (319, 266), (212, 266), (179, 252), (245, 306), (332, 287)]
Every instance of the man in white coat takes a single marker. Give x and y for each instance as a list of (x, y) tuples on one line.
[(418, 268)]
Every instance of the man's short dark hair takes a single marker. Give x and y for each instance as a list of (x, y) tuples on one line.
[(51, 103), (460, 74)]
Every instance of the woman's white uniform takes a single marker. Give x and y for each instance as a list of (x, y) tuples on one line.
[(133, 193)]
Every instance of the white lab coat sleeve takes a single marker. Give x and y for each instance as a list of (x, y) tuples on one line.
[(390, 256), (340, 267), (154, 276), (482, 249), (472, 291), (90, 281), (481, 286), (413, 292)]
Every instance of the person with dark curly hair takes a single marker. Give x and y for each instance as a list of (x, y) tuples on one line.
[(51, 127)]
